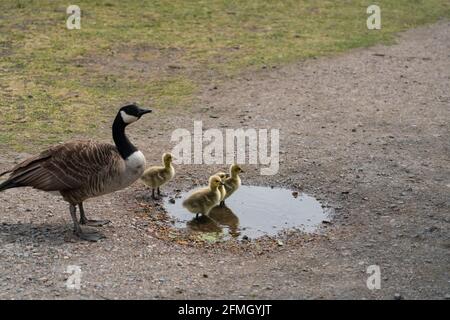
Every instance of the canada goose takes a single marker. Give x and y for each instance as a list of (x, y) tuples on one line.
[(233, 182), (222, 190), (81, 170), (157, 176), (204, 199)]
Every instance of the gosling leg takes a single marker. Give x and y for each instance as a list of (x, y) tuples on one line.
[(77, 229), (86, 221), (222, 204), (153, 194)]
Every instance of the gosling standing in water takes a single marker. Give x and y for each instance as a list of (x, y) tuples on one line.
[(156, 176), (232, 183), (204, 199)]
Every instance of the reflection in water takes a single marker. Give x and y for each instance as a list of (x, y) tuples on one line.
[(219, 217), (225, 217), (203, 224), (253, 212)]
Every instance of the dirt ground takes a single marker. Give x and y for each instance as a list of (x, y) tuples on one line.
[(367, 132)]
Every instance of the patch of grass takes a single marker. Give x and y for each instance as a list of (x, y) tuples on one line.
[(211, 237), (54, 81)]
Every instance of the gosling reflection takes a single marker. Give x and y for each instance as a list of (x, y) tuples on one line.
[(224, 216), (203, 224), (218, 218)]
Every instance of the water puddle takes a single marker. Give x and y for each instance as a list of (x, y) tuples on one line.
[(253, 212)]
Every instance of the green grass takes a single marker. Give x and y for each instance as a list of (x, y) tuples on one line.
[(54, 81)]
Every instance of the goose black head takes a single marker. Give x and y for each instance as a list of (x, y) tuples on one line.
[(132, 112)]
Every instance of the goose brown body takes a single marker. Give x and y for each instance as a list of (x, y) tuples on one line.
[(78, 170)]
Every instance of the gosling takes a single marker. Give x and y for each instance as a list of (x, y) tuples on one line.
[(232, 183), (222, 190), (156, 176), (203, 200)]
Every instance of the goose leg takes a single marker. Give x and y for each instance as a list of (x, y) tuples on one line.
[(77, 229), (86, 221), (76, 225)]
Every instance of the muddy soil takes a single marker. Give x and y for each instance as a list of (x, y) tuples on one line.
[(367, 132)]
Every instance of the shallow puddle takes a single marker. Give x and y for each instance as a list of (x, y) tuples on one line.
[(252, 212)]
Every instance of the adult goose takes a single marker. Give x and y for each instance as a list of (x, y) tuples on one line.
[(81, 170)]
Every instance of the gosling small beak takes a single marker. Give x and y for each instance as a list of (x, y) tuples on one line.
[(222, 183), (144, 111), (242, 171)]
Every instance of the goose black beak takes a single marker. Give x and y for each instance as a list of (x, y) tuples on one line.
[(144, 111)]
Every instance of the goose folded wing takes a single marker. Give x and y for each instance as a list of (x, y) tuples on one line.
[(64, 167)]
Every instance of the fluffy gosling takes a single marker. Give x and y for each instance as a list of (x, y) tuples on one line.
[(203, 200), (233, 182), (222, 190), (156, 176)]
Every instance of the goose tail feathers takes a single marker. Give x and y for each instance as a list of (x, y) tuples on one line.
[(8, 184)]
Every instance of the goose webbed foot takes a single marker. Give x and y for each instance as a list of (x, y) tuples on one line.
[(89, 236), (85, 221), (84, 235), (95, 223)]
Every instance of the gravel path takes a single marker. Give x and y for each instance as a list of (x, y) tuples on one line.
[(367, 132)]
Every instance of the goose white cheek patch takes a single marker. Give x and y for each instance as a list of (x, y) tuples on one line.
[(127, 118)]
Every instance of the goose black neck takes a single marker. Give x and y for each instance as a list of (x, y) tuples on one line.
[(124, 146)]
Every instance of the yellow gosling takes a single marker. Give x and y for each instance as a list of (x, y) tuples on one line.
[(157, 176), (203, 200)]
